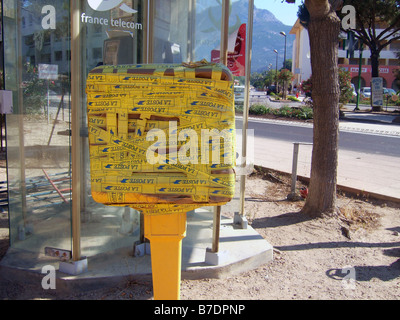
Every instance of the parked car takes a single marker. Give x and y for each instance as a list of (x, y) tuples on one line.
[(389, 91), (366, 92), (354, 90)]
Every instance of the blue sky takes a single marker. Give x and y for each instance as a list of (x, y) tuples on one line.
[(285, 12)]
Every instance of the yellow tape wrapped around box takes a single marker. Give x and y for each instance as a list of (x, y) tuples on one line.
[(161, 137)]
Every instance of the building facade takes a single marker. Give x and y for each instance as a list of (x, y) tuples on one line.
[(388, 62)]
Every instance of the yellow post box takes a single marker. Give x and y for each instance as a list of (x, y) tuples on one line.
[(162, 141)]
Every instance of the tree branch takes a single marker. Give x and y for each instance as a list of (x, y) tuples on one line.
[(360, 31), (391, 27)]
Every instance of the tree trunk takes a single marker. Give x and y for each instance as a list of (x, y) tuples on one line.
[(375, 72), (324, 28), (374, 63)]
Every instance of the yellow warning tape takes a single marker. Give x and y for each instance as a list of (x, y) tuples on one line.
[(161, 137)]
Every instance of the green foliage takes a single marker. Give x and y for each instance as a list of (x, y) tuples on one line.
[(239, 108), (34, 90), (285, 111), (306, 113), (285, 76), (346, 91), (288, 64), (370, 11), (258, 109), (263, 79), (306, 86), (303, 113), (270, 77), (292, 98), (303, 15), (377, 25), (257, 80)]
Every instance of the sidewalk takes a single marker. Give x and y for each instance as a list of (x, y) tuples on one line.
[(377, 175)]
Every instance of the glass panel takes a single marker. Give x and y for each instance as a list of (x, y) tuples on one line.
[(171, 24), (109, 35), (191, 31), (207, 28), (36, 42), (207, 31), (207, 40), (186, 30)]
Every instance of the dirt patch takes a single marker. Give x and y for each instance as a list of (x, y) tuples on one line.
[(354, 255)]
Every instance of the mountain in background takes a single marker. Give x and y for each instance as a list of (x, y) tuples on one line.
[(266, 35), (266, 38)]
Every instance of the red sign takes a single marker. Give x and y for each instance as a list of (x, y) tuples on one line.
[(236, 59)]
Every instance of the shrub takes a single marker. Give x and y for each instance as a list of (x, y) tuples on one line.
[(306, 113), (306, 87), (346, 91), (291, 98), (285, 111), (258, 109), (239, 108)]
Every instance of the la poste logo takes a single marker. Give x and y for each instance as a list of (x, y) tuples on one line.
[(105, 5)]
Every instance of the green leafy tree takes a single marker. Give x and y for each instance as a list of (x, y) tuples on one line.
[(257, 79), (284, 76), (346, 91), (288, 64), (377, 25), (270, 78)]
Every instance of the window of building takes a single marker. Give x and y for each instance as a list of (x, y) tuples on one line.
[(58, 55)]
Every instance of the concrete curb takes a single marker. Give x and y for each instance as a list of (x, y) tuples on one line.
[(346, 189)]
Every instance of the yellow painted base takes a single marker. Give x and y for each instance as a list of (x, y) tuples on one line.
[(165, 233)]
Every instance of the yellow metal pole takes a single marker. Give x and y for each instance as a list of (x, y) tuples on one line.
[(165, 233), (75, 149)]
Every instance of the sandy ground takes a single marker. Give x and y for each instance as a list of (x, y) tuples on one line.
[(355, 255)]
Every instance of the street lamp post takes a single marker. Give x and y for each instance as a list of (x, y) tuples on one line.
[(276, 71), (284, 67), (284, 56)]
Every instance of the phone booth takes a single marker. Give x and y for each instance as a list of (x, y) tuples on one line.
[(122, 121)]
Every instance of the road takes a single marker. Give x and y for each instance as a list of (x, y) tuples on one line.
[(372, 143)]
